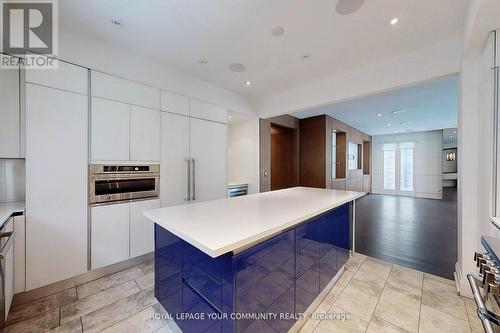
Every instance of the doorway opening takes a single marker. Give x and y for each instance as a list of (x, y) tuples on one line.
[(283, 157)]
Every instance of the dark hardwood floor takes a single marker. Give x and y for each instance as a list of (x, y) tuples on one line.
[(413, 232)]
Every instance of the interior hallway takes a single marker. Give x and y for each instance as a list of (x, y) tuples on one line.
[(413, 232)]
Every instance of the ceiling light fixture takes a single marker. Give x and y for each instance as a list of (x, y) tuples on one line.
[(248, 83), (117, 22), (398, 111), (229, 117), (389, 125), (277, 31), (379, 114), (394, 21), (236, 67)]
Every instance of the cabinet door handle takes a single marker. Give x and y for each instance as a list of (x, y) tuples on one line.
[(188, 182), (193, 195)]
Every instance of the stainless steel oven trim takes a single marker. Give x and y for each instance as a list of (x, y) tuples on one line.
[(96, 173)]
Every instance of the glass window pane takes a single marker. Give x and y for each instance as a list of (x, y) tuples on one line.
[(406, 177), (389, 169)]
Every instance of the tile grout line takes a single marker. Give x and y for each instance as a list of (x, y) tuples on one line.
[(421, 302), (378, 300), (342, 290)]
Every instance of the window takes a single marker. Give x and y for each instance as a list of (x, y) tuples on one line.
[(389, 166), (398, 167), (406, 173)]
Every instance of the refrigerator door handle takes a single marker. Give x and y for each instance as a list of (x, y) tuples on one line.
[(188, 182), (193, 194)]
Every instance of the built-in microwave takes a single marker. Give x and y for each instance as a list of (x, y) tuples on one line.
[(115, 183)]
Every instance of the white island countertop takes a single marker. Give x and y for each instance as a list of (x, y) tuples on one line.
[(225, 225)]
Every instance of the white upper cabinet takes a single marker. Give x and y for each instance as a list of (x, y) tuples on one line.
[(174, 103), (144, 134), (208, 147), (122, 90), (174, 163), (66, 77), (10, 124), (202, 110), (141, 228), (110, 126)]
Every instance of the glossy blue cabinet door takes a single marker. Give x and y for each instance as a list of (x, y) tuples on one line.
[(343, 234), (328, 229), (168, 271), (264, 282), (307, 264)]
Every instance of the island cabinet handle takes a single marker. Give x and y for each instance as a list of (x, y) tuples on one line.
[(193, 194), (487, 317), (188, 182)]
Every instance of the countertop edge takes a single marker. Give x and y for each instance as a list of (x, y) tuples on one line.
[(256, 238)]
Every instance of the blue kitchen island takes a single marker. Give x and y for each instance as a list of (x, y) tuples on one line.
[(256, 263)]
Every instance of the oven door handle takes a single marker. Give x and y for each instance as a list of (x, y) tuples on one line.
[(487, 317), (8, 244)]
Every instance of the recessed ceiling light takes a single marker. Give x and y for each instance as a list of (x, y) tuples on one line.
[(236, 67), (203, 61), (117, 22), (248, 83), (454, 132), (277, 31), (398, 111), (394, 21), (389, 125), (346, 7), (379, 114), (229, 117)]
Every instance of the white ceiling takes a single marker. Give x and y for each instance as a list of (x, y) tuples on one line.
[(179, 33), (427, 106)]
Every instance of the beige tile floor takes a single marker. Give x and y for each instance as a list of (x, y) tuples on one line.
[(372, 296)]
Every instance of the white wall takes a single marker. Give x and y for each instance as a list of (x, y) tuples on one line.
[(94, 54), (474, 171), (243, 154), (427, 161)]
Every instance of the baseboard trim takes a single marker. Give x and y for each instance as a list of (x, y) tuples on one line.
[(31, 295)]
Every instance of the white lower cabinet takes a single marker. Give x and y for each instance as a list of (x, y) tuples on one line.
[(141, 229), (120, 232), (7, 262), (19, 254), (110, 234)]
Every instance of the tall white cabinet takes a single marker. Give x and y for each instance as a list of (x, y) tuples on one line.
[(193, 151), (56, 174), (10, 113)]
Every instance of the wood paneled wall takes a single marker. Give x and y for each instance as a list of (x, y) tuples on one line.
[(265, 148)]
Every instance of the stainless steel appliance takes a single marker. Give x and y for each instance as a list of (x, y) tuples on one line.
[(114, 183), (236, 190)]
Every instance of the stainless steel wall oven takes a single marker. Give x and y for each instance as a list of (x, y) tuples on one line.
[(114, 183)]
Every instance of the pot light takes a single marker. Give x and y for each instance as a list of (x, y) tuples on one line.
[(236, 67), (277, 31), (379, 114), (394, 21), (229, 117), (248, 83), (389, 125), (398, 111)]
